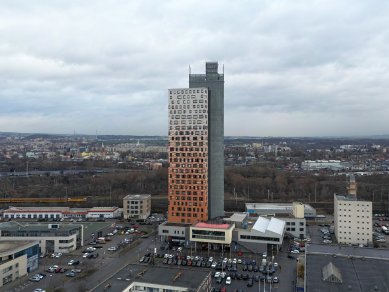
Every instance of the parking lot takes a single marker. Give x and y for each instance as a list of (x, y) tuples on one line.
[(55, 270), (248, 272)]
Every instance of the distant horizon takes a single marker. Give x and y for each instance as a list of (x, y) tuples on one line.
[(381, 136)]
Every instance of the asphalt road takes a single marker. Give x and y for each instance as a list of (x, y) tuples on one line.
[(94, 271)]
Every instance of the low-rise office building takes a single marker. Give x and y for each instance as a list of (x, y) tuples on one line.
[(51, 237), (269, 231), (292, 214), (282, 209), (137, 206), (214, 235), (17, 259)]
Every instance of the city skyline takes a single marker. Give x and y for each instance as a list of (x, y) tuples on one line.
[(294, 69)]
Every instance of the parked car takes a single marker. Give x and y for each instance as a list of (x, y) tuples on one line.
[(70, 274), (228, 281), (35, 278), (250, 283)]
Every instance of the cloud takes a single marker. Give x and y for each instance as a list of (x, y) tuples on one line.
[(107, 65)]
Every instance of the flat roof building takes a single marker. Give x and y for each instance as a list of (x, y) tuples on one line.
[(346, 268), (104, 212), (353, 220), (137, 206), (56, 213), (17, 259), (264, 209), (154, 278), (56, 237), (213, 233)]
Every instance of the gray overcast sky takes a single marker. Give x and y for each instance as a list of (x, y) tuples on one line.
[(292, 68)]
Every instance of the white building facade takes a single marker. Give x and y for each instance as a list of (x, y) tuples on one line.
[(104, 212), (352, 220)]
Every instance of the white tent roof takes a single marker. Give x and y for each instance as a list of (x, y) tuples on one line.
[(276, 226), (261, 224), (273, 225)]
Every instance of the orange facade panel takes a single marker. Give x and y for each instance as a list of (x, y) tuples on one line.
[(188, 156)]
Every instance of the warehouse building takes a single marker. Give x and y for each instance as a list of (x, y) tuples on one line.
[(58, 213)]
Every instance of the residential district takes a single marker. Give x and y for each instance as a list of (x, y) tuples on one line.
[(197, 243)]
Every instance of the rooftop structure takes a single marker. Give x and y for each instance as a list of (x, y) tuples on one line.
[(273, 225), (331, 273), (264, 231), (10, 246), (353, 269), (212, 225), (137, 197), (237, 217)]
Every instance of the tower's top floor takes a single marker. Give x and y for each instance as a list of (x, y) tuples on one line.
[(211, 67), (211, 74)]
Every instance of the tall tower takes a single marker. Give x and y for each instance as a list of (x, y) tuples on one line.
[(188, 155), (352, 186), (214, 82)]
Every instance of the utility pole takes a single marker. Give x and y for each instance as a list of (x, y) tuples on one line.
[(315, 191)]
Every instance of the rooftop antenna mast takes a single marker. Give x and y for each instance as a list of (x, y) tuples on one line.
[(190, 70), (223, 69)]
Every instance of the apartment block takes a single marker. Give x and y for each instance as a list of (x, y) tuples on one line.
[(352, 220), (137, 206)]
